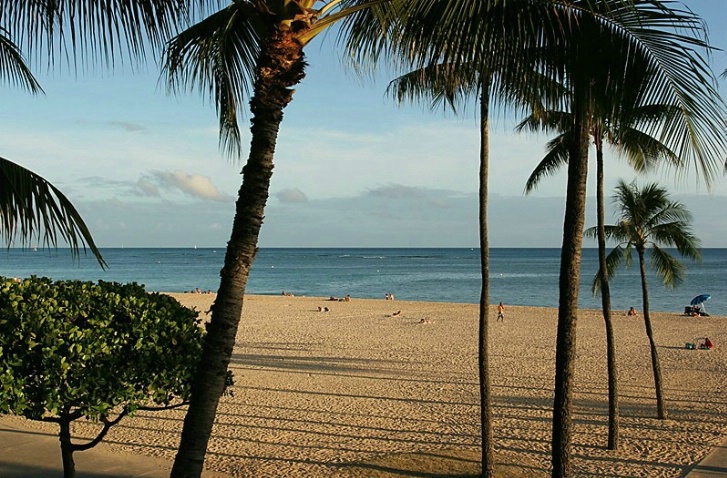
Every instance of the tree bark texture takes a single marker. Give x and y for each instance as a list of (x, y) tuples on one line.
[(661, 411), (69, 466), (569, 283), (486, 418), (613, 411), (281, 65)]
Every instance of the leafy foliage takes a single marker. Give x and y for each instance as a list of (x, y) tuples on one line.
[(79, 349), (649, 219)]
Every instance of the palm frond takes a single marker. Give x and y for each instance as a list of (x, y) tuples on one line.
[(555, 158), (666, 266), (88, 29), (438, 84), (32, 207), (13, 67), (217, 56), (613, 262)]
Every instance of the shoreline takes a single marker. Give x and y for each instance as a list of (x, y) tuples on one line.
[(358, 390)]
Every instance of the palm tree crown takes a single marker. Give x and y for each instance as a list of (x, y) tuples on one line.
[(649, 220)]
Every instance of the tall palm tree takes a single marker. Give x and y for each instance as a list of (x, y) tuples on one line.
[(440, 83), (31, 206), (648, 219), (256, 49), (593, 62), (643, 153)]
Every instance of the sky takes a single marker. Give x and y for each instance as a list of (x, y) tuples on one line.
[(352, 168)]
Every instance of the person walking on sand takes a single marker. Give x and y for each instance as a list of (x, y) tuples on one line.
[(500, 312)]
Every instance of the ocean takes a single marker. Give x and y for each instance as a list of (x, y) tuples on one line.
[(518, 276)]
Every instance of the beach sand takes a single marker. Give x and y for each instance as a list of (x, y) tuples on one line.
[(359, 392)]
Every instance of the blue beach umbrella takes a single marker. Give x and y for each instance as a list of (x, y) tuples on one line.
[(700, 299)]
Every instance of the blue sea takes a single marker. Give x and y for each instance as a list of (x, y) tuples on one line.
[(518, 276)]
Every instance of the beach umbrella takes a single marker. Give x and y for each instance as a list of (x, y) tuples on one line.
[(700, 299)]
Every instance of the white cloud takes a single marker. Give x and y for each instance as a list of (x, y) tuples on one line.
[(194, 185)]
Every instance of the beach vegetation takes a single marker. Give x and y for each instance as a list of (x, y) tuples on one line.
[(32, 209), (650, 220), (593, 63), (441, 82), (497, 78), (642, 151), (247, 50), (581, 54), (72, 350)]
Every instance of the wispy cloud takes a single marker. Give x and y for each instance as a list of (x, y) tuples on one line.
[(126, 126)]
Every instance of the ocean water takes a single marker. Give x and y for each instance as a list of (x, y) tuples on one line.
[(518, 276)]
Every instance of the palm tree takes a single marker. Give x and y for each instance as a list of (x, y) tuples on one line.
[(593, 64), (30, 205), (648, 219), (440, 82), (643, 153), (253, 48), (618, 37)]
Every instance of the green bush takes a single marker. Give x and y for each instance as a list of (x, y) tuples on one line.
[(72, 349)]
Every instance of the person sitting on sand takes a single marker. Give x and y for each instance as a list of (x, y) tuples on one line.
[(707, 344), (632, 311), (347, 298)]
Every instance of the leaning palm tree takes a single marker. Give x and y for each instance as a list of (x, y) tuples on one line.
[(256, 49), (643, 153), (31, 208), (648, 219)]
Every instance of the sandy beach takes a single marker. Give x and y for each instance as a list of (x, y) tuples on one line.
[(360, 392)]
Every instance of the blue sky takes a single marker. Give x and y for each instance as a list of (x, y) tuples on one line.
[(352, 168)]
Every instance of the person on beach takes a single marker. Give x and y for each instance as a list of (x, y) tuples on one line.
[(500, 312), (707, 344), (632, 312)]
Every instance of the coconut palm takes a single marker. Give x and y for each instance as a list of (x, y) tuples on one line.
[(643, 153), (439, 83), (31, 208), (648, 219), (679, 77), (255, 49)]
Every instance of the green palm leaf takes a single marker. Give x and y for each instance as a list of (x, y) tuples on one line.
[(31, 207), (217, 56), (13, 67)]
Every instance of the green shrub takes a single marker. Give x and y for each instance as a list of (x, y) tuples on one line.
[(72, 349)]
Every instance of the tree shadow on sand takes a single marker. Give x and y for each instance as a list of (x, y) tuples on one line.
[(452, 463)]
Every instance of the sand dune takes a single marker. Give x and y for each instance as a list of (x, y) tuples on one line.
[(357, 391)]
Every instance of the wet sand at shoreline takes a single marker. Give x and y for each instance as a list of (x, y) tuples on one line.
[(359, 391)]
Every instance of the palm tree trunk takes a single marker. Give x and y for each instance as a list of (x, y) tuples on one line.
[(661, 412), (569, 282), (281, 65), (613, 413), (488, 448)]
